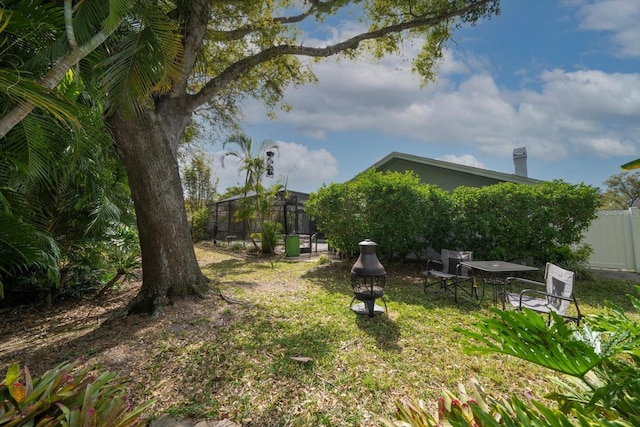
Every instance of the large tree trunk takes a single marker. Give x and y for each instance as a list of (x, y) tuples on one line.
[(146, 146)]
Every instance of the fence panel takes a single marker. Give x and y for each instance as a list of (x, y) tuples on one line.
[(615, 238)]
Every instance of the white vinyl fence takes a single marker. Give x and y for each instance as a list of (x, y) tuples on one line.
[(614, 237)]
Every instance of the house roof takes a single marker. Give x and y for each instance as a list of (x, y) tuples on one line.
[(390, 158)]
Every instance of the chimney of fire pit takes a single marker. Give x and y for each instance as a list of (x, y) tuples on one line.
[(367, 263)]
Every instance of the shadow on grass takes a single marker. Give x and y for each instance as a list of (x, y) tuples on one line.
[(404, 285), (239, 266), (381, 328), (596, 292)]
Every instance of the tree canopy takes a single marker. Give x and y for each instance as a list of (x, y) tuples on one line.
[(623, 190), (150, 66)]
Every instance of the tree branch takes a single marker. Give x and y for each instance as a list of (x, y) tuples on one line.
[(225, 78), (248, 29), (56, 73), (199, 13)]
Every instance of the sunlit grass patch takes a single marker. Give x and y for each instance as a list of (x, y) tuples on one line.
[(294, 354)]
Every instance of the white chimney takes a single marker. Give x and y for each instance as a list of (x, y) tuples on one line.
[(520, 161)]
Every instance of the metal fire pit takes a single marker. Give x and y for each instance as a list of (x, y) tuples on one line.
[(368, 280)]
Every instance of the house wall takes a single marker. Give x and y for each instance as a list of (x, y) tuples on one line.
[(444, 178)]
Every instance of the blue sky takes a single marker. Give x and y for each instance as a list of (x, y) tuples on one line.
[(561, 78)]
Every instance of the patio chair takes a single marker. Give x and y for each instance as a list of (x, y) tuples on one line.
[(449, 275), (556, 297)]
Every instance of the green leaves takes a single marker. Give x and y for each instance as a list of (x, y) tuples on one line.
[(393, 209), (511, 221), (526, 336), (503, 221), (146, 60), (598, 386), (66, 396)]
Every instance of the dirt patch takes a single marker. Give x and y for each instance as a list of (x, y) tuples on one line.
[(43, 338)]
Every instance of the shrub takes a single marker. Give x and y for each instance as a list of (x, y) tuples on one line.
[(66, 396), (199, 223), (516, 221), (323, 259), (393, 209), (503, 221), (269, 236)]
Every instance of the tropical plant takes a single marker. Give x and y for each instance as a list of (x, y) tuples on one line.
[(257, 208), (42, 42), (599, 366), (271, 230), (62, 187), (252, 160), (66, 396), (64, 194)]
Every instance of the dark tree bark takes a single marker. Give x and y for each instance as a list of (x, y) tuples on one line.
[(147, 149)]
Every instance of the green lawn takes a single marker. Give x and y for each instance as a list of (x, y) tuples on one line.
[(359, 365)]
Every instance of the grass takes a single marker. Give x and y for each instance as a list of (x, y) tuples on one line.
[(358, 367)]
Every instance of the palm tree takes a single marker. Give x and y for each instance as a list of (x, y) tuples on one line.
[(168, 60), (42, 42), (253, 210), (251, 162), (61, 186)]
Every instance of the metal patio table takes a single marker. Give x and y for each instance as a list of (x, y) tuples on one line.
[(493, 273)]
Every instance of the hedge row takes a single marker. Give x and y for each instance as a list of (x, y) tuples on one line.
[(504, 221)]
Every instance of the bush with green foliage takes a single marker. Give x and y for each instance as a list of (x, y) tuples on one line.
[(199, 222), (66, 396), (504, 221), (393, 209), (599, 364), (516, 221), (271, 231), (63, 190)]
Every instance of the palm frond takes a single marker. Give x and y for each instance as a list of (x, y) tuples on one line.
[(20, 244), (526, 335), (18, 88), (34, 35), (634, 164), (148, 59), (28, 146), (103, 215)]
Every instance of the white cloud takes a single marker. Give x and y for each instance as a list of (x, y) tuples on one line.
[(618, 17), (569, 110), (466, 159), (295, 166), (604, 147), (568, 114)]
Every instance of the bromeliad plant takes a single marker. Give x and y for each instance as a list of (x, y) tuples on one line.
[(66, 396), (599, 367)]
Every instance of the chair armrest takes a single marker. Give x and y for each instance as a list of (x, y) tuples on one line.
[(533, 291), (469, 274), (525, 281), (437, 263)]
